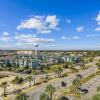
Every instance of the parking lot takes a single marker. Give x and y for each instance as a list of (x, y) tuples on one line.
[(91, 86)]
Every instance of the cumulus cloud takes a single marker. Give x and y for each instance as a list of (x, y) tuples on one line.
[(4, 36), (68, 38), (52, 21), (97, 29), (98, 22), (91, 35), (80, 29), (42, 24), (63, 37), (98, 18), (75, 37), (30, 39), (68, 21)]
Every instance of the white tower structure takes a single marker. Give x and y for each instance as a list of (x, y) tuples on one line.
[(36, 46)]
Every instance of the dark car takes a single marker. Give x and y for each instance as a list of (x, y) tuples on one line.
[(27, 71), (20, 71), (82, 90), (79, 76), (63, 98), (63, 84), (17, 91)]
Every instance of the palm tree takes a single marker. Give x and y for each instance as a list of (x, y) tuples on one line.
[(75, 84), (16, 79), (34, 75), (4, 86), (91, 59), (70, 64), (46, 71), (21, 96), (50, 91), (66, 65), (29, 63), (98, 65), (30, 79), (58, 70), (83, 66), (44, 96)]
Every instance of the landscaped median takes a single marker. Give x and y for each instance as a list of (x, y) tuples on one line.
[(88, 78), (98, 73)]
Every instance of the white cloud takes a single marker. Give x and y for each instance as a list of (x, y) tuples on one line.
[(43, 31), (75, 37), (98, 18), (91, 35), (52, 21), (98, 22), (30, 39), (4, 36), (63, 37), (97, 29), (68, 21), (80, 29), (31, 23), (42, 24), (34, 35), (68, 38)]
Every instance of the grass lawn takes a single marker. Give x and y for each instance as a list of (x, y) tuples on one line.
[(57, 65), (88, 78)]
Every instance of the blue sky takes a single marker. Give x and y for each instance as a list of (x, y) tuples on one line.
[(53, 24)]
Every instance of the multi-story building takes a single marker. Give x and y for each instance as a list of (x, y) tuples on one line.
[(71, 58)]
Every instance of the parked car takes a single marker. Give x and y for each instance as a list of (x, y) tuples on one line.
[(63, 98), (27, 71), (82, 90), (17, 91), (79, 76), (63, 84), (20, 71)]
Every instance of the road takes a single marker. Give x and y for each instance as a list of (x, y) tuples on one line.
[(34, 95), (6, 73)]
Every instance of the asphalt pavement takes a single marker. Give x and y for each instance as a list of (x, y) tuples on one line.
[(34, 95)]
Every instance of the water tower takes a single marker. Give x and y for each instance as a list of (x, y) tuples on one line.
[(36, 46)]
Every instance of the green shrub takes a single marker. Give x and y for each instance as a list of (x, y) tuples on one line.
[(98, 89), (96, 97), (64, 74)]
